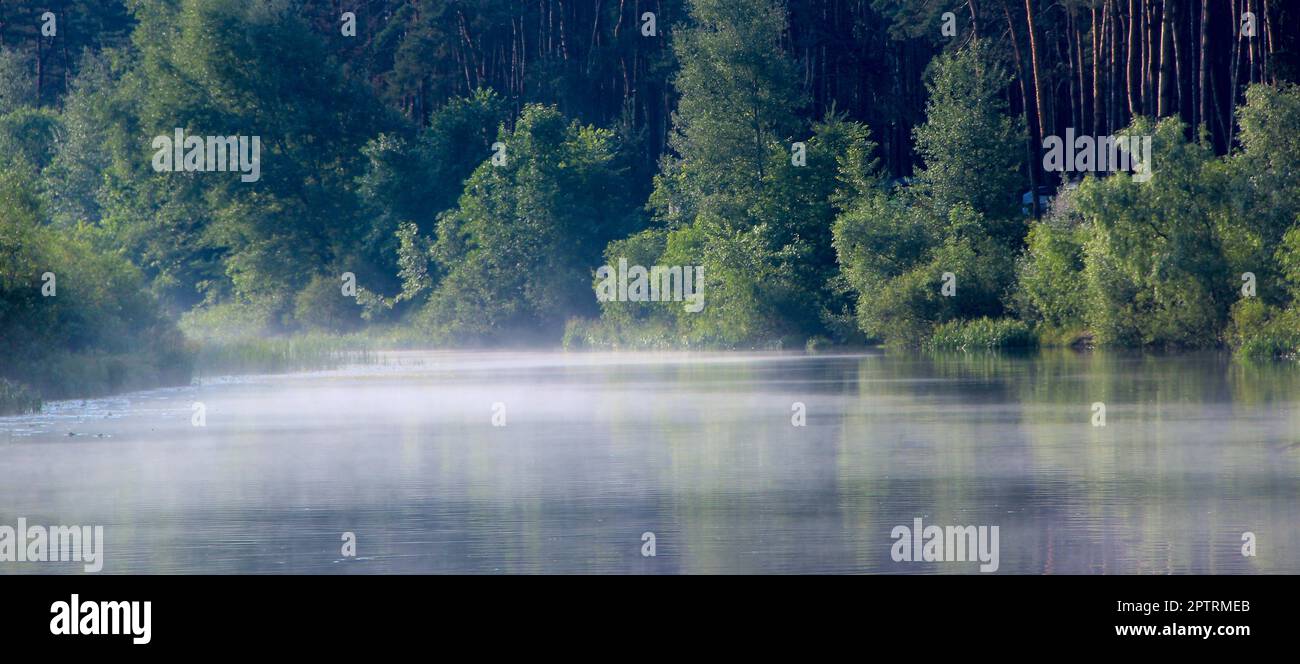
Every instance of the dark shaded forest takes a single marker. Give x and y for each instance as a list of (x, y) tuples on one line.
[(1090, 64), (455, 173)]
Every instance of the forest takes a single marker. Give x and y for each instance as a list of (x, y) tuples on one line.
[(455, 173)]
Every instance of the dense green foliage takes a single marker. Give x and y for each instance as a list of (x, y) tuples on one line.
[(517, 250), (1167, 262), (895, 248), (76, 320), (471, 166), (732, 199), (982, 334)]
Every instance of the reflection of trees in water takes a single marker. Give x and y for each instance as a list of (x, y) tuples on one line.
[(1179, 472)]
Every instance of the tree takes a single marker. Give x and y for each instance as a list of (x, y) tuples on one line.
[(968, 141), (417, 179), (738, 96), (97, 330), (896, 248), (519, 249), (1156, 269), (742, 197), (232, 68), (17, 83)]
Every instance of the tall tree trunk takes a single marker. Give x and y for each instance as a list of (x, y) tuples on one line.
[(1119, 63), (1218, 111), (1250, 47), (1083, 91), (1104, 118), (1164, 92), (1149, 88), (1043, 122), (1179, 85), (1112, 73), (1075, 120), (1205, 23), (1096, 72), (1131, 65), (1232, 78), (1034, 141), (1270, 72)]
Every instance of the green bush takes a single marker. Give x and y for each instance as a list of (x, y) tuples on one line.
[(98, 331), (645, 249), (321, 305), (982, 333), (1259, 332), (817, 344), (226, 321), (1050, 280), (519, 247), (895, 255), (1156, 270)]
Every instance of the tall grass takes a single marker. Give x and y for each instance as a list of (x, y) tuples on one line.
[(601, 334), (308, 352), (982, 334), (16, 398)]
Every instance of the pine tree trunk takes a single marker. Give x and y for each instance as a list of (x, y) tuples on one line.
[(1112, 72), (1232, 78), (1083, 91), (1164, 92), (1148, 65), (1034, 141), (1134, 98), (1179, 86), (1250, 48), (1075, 121), (1104, 118), (1098, 88), (1038, 82), (1205, 23), (1268, 34)]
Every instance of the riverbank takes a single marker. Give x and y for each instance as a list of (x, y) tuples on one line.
[(82, 376), (24, 386)]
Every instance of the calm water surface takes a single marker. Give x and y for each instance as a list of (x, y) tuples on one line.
[(697, 448)]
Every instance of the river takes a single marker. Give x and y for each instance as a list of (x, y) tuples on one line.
[(522, 462)]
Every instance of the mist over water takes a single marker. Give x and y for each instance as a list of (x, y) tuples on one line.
[(697, 448)]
